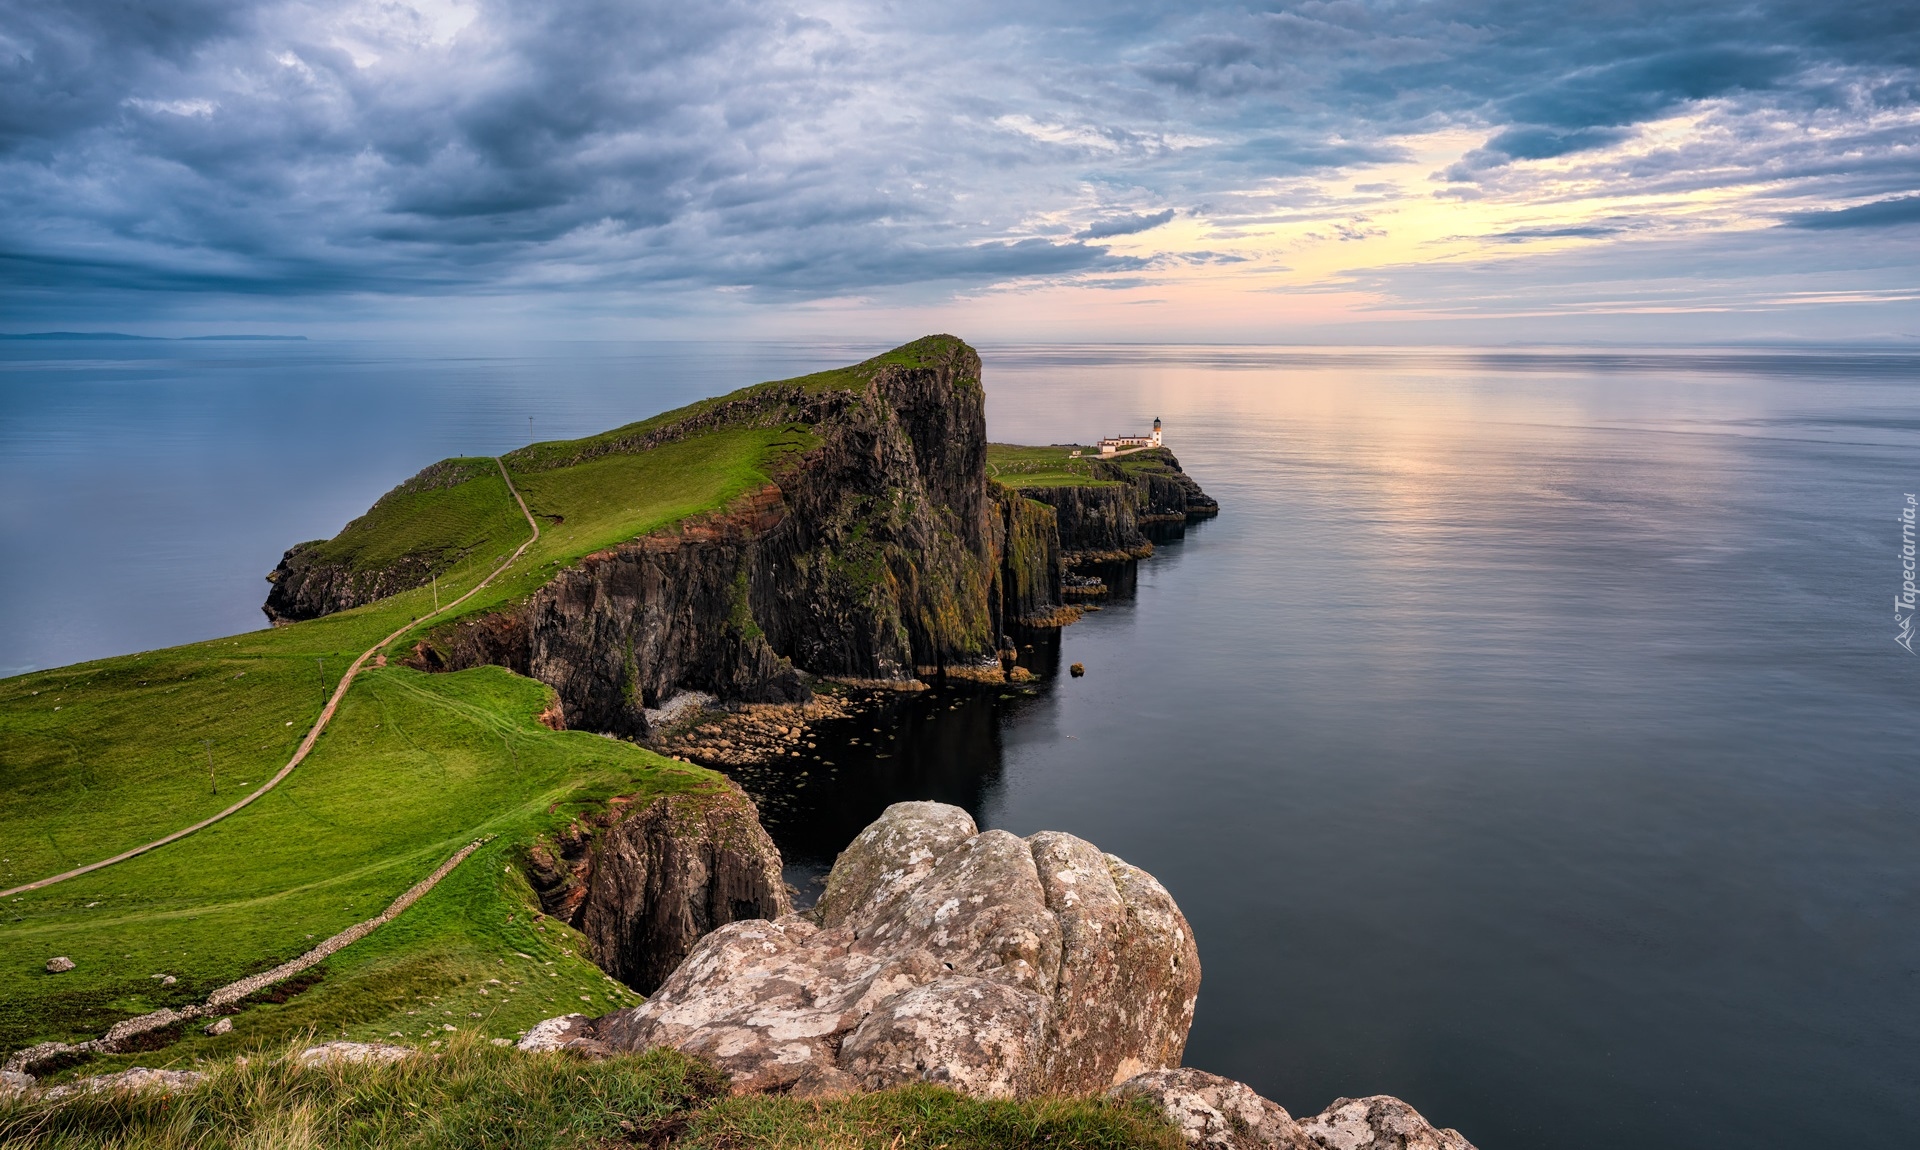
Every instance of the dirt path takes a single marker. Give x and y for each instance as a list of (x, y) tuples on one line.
[(319, 725)]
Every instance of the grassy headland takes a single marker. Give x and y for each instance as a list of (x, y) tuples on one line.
[(100, 757)]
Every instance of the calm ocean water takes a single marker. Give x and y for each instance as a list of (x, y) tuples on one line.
[(1527, 738)]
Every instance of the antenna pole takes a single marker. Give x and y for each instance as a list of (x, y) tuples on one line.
[(210, 779)]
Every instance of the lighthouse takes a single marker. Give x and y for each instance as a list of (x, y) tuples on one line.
[(1156, 431)]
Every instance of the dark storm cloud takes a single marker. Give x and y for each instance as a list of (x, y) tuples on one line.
[(444, 148)]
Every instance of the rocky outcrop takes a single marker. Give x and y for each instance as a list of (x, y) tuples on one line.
[(1381, 1122), (1166, 493), (644, 883), (1141, 497), (999, 966), (1215, 1113)]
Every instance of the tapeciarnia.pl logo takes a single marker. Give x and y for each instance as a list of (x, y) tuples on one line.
[(1903, 603)]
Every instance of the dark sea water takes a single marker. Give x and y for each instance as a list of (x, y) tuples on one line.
[(1527, 737)]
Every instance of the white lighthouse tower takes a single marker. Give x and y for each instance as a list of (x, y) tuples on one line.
[(1156, 431)]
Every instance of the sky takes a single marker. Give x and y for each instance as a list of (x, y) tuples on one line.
[(1335, 172)]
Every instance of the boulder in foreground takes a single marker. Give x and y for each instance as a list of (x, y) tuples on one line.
[(1002, 967)]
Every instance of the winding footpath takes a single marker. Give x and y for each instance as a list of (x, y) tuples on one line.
[(319, 725)]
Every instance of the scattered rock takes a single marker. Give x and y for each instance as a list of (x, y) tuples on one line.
[(1000, 966), (137, 1079), (14, 1084), (1215, 1113), (1381, 1122), (59, 965), (1077, 670), (555, 1033), (219, 1026), (164, 979), (353, 1052)]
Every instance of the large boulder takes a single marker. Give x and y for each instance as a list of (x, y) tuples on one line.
[(1215, 1113), (1001, 966)]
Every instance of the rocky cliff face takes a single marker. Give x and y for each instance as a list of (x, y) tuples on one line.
[(881, 552), (644, 884), (1097, 524), (1027, 538)]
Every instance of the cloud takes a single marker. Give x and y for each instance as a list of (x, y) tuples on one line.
[(1124, 225), (1878, 214), (795, 150)]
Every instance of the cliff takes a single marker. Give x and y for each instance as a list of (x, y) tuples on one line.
[(644, 884), (856, 535)]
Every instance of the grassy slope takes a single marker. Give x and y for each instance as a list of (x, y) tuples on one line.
[(474, 1095), (1052, 466), (102, 756)]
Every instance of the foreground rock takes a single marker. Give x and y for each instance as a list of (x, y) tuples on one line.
[(1215, 1113), (1000, 966)]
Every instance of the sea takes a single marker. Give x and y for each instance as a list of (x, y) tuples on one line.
[(1529, 737)]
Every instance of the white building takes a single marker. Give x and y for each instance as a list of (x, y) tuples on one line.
[(1131, 442)]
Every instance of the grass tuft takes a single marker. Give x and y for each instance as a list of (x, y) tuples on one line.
[(474, 1094)]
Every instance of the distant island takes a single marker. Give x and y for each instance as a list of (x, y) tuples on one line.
[(119, 335)]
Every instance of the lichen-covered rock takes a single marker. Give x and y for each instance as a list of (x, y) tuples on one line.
[(889, 858), (1215, 1113), (218, 1027), (133, 1080), (940, 954), (554, 1033), (59, 965), (981, 1037), (1381, 1122), (353, 1052), (14, 1084)]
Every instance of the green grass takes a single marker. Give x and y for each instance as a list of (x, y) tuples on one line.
[(103, 756), (929, 351), (1052, 466), (473, 1095), (440, 525), (412, 767)]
